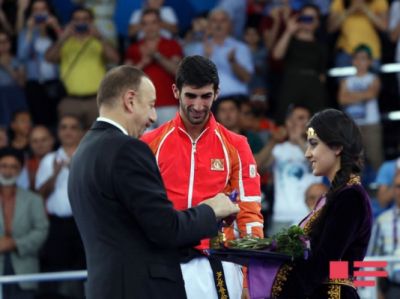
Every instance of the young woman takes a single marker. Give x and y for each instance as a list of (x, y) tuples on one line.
[(305, 59), (339, 226), (43, 88)]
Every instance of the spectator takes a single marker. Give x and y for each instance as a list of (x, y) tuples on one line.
[(254, 116), (82, 53), (63, 249), (12, 97), (103, 18), (232, 57), (168, 19), (237, 11), (4, 22), (385, 241), (358, 22), (158, 57), (3, 137), (24, 226), (274, 24), (292, 174), (314, 192), (305, 63), (227, 113), (384, 180), (259, 57), (394, 30), (20, 128), (198, 31), (43, 88), (41, 142), (358, 96)]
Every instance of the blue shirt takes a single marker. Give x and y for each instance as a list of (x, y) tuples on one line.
[(229, 83), (32, 54), (386, 173)]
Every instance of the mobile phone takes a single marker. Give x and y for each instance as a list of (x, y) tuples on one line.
[(305, 19), (39, 19)]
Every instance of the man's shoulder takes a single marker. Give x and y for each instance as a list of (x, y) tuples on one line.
[(159, 133), (236, 140), (390, 164), (386, 171)]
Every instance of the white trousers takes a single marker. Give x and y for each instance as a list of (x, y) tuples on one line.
[(199, 279)]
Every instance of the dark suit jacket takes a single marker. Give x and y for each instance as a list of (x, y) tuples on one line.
[(129, 228)]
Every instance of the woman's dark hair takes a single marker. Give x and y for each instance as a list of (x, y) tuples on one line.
[(197, 71), (28, 13), (337, 130), (312, 6)]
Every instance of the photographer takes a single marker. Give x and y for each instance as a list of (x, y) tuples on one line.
[(42, 87), (304, 63), (83, 55)]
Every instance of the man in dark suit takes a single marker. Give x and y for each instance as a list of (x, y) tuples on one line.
[(130, 230)]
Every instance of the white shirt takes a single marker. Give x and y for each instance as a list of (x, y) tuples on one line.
[(292, 176), (114, 123), (365, 112), (57, 203)]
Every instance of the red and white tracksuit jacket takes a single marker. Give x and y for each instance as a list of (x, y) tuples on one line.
[(217, 161)]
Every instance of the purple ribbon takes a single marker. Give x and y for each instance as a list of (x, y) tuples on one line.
[(261, 275)]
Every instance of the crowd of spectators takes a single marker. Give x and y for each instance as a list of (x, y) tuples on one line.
[(272, 56)]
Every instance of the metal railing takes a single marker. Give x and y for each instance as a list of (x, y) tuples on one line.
[(50, 276)]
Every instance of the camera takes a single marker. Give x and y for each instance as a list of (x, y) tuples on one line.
[(305, 19), (81, 28), (40, 19)]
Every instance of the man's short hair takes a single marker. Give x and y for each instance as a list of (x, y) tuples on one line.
[(18, 112), (197, 71), (292, 107), (117, 81), (12, 152), (232, 99), (151, 11), (85, 9), (74, 116), (363, 48)]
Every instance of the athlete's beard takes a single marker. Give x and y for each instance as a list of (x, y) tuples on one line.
[(201, 118)]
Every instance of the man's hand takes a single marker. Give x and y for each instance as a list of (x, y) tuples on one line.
[(57, 166), (222, 205)]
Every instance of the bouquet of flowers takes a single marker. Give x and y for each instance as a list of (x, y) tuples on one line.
[(291, 241)]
